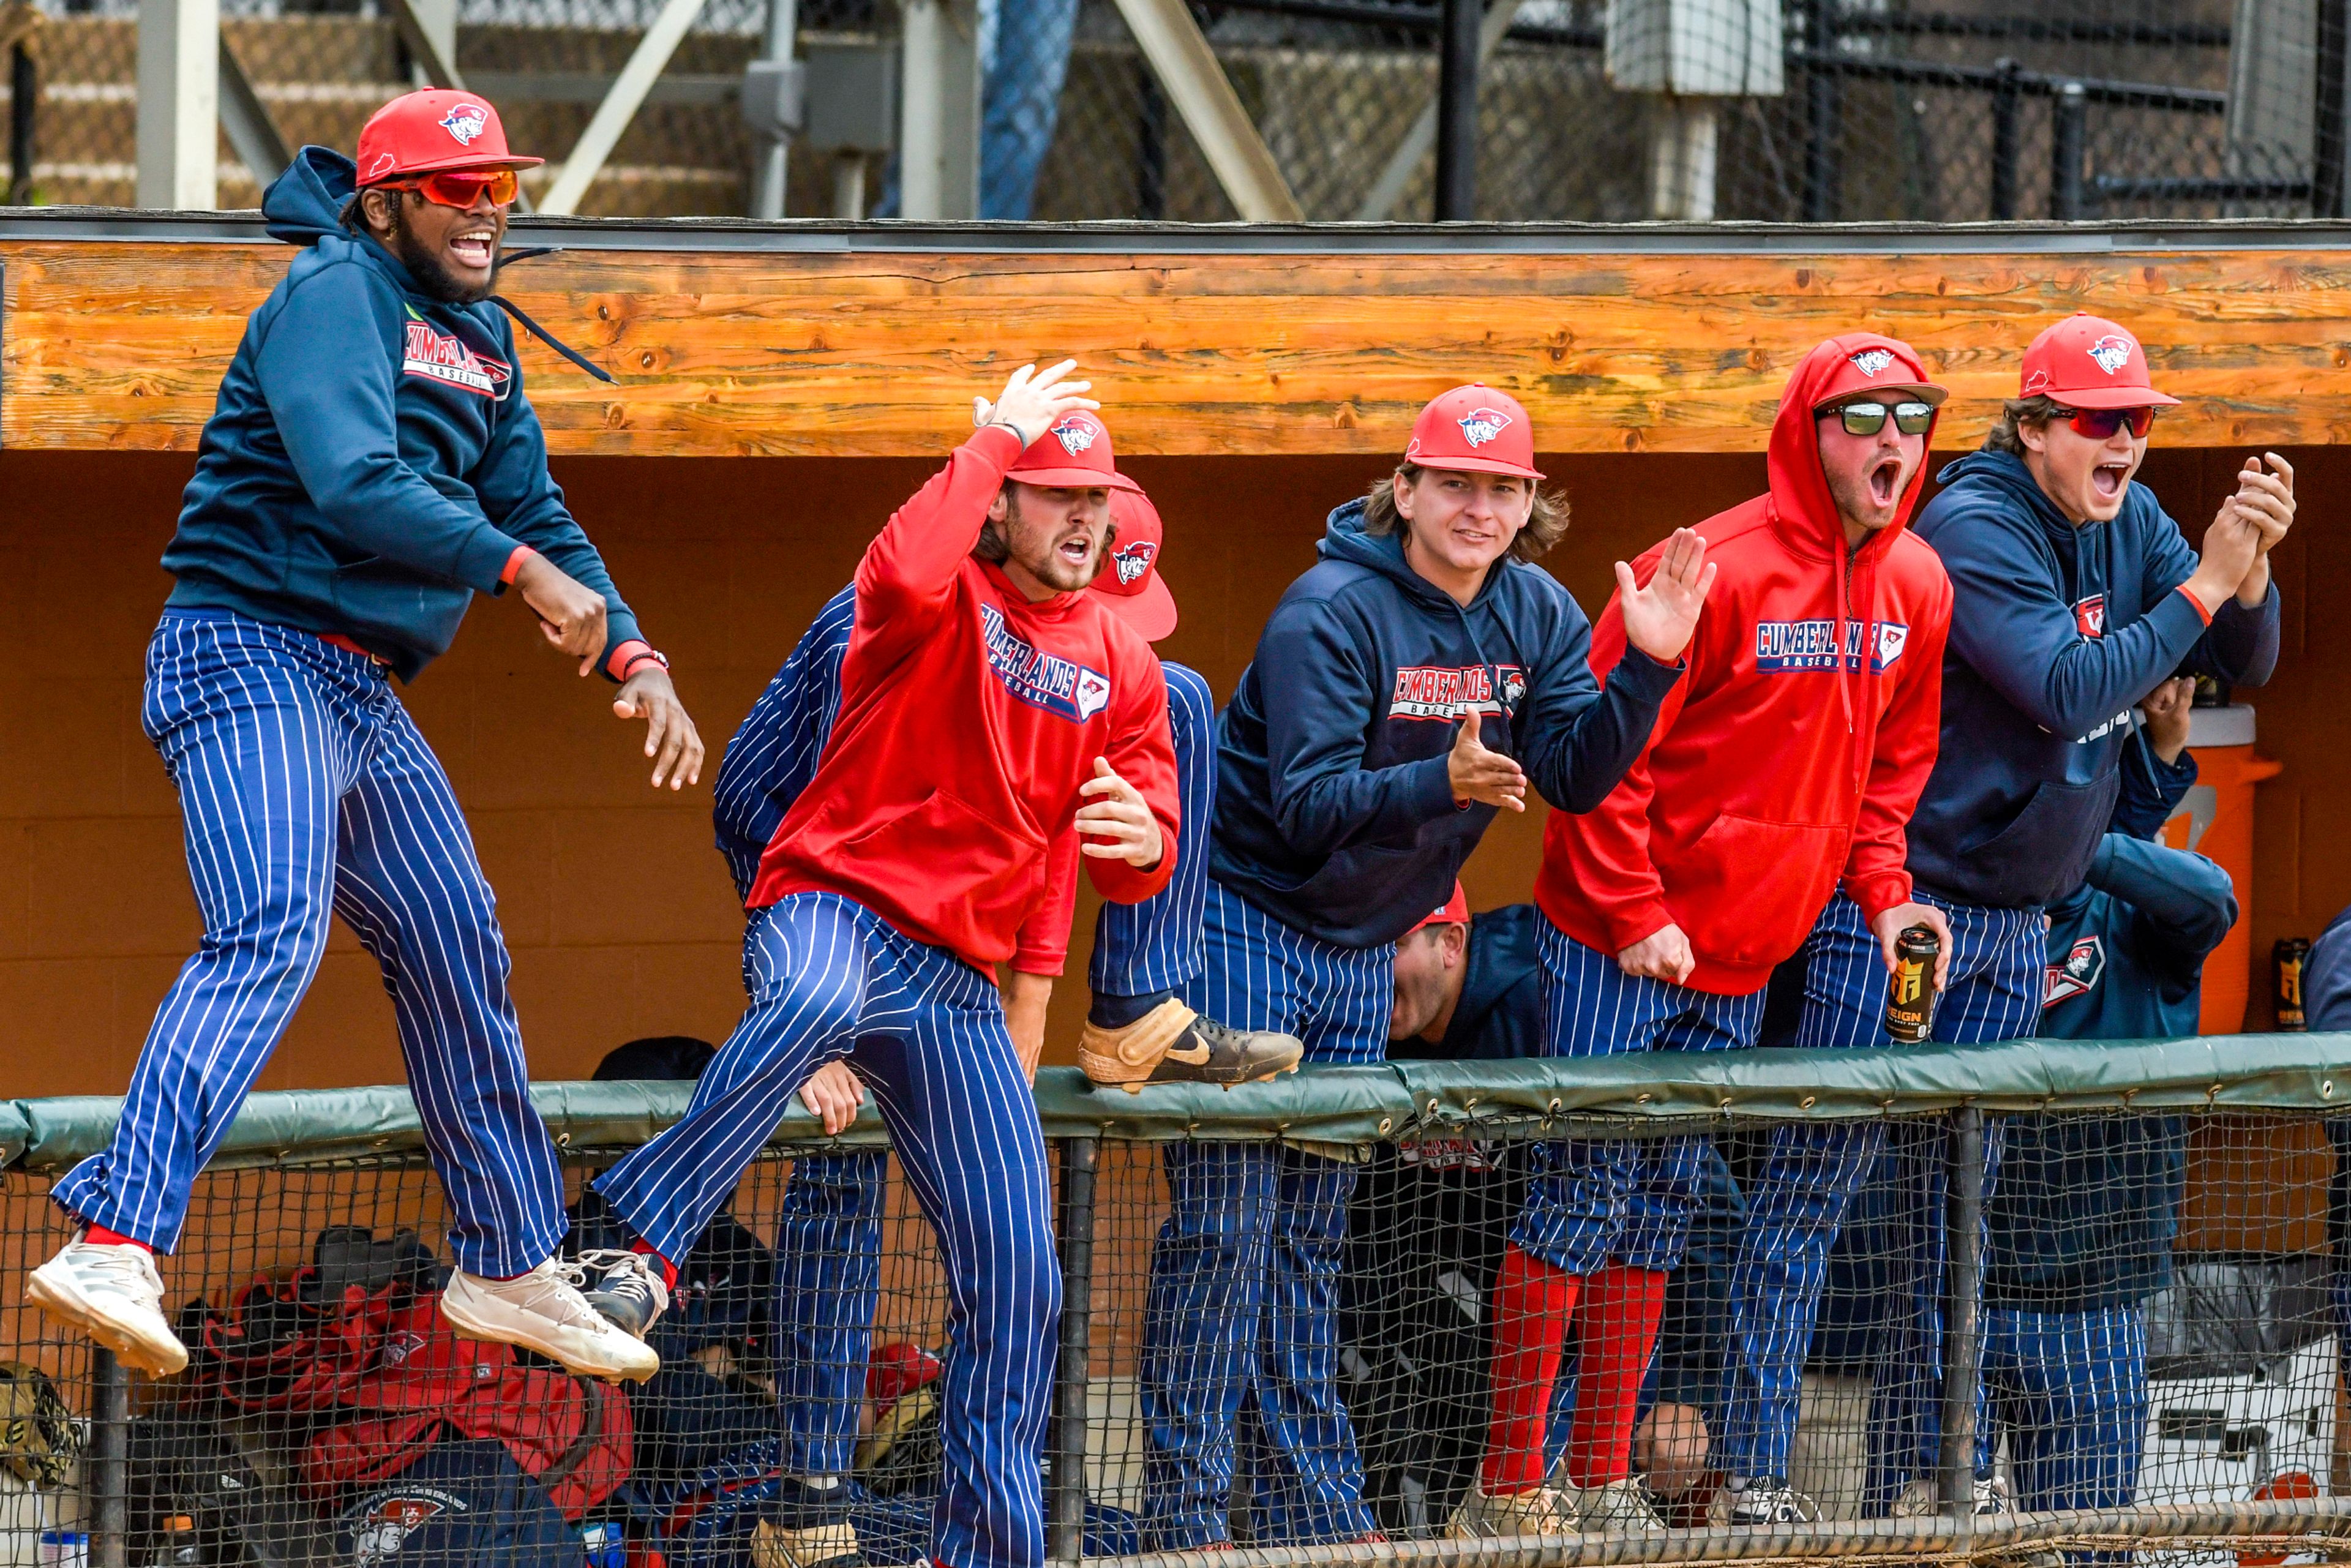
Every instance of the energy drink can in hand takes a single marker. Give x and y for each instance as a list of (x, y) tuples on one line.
[(1910, 999), (2289, 955)]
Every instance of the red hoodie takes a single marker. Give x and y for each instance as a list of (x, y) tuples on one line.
[(1774, 767), (970, 717)]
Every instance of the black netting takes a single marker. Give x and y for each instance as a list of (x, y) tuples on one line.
[(1273, 1330)]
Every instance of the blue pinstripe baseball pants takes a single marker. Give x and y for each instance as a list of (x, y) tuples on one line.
[(926, 1030), (1157, 945), (2070, 1389), (1594, 1201), (1810, 1173), (307, 791), (1243, 1298), (828, 1285)]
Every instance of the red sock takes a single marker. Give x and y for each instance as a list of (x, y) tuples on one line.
[(1618, 1332), (668, 1270), (1533, 1302), (100, 1236)]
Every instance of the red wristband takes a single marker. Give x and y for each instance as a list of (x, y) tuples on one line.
[(629, 655), (2182, 591), (514, 564)]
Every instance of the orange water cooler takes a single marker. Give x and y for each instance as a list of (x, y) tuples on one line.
[(2216, 819)]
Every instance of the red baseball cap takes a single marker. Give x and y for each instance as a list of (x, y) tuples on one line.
[(2088, 362), (1476, 429), (437, 129), (1074, 455), (1130, 582), (1868, 362), (1453, 912)]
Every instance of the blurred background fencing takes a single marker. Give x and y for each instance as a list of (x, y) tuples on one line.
[(1916, 110)]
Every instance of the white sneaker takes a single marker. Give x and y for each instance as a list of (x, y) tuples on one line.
[(113, 1296), (1538, 1511), (544, 1311), (1771, 1502), (1619, 1505), (1989, 1497)]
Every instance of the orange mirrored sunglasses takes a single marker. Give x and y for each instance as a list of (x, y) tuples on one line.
[(462, 187)]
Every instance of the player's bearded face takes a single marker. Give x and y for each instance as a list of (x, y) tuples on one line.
[(1059, 536), (449, 251), (1867, 475)]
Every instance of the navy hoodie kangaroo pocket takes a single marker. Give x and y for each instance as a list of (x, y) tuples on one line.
[(2045, 850)]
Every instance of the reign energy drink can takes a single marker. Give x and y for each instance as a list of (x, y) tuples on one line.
[(1910, 999), (2289, 955)]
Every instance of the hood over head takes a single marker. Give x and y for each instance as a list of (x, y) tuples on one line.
[(1845, 365)]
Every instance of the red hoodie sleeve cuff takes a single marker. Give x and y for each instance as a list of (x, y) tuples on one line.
[(1878, 893), (627, 656), (1637, 922), (2203, 614), (514, 565)]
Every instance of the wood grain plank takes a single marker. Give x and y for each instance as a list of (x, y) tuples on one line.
[(120, 345)]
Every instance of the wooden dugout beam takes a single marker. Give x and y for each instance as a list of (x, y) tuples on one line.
[(733, 339)]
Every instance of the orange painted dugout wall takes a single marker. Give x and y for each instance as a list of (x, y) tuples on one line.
[(617, 909)]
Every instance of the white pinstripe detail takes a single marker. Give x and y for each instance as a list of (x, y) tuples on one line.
[(306, 790)]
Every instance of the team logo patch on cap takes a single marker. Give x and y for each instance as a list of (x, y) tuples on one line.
[(1869, 362), (1134, 559), (2112, 353), (1075, 434), (1482, 424), (465, 121)]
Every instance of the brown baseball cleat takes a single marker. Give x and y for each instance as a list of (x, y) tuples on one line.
[(1173, 1044)]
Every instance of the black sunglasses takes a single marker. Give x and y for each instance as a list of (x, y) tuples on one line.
[(1869, 418)]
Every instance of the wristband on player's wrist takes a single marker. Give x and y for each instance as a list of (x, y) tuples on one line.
[(1018, 434), (643, 657)]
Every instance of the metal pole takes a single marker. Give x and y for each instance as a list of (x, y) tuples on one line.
[(1150, 150), (2069, 147), (109, 1451), (179, 103), (1823, 117), (770, 159), (2007, 134), (1066, 1507), (1457, 111), (1963, 1299), (23, 99)]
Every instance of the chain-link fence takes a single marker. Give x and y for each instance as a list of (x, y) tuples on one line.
[(1926, 111), (1299, 1314)]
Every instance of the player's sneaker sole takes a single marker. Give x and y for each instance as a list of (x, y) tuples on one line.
[(475, 1309), (151, 1349)]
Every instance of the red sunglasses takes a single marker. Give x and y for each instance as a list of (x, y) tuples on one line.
[(461, 188), (2100, 424)]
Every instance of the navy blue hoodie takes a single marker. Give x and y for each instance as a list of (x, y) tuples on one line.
[(1335, 813), (2057, 629), (1498, 1016), (2086, 1208), (372, 463)]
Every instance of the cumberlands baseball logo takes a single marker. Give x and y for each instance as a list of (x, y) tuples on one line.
[(1132, 560), (1040, 679), (1447, 695), (2079, 975), (2112, 353), (1482, 424), (2090, 616), (444, 356), (1782, 647), (386, 1526), (465, 121), (1075, 434), (1869, 362)]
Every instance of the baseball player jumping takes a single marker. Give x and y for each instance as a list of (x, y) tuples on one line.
[(829, 1235), (1405, 689), (2073, 596), (371, 465), (988, 706), (1817, 665)]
